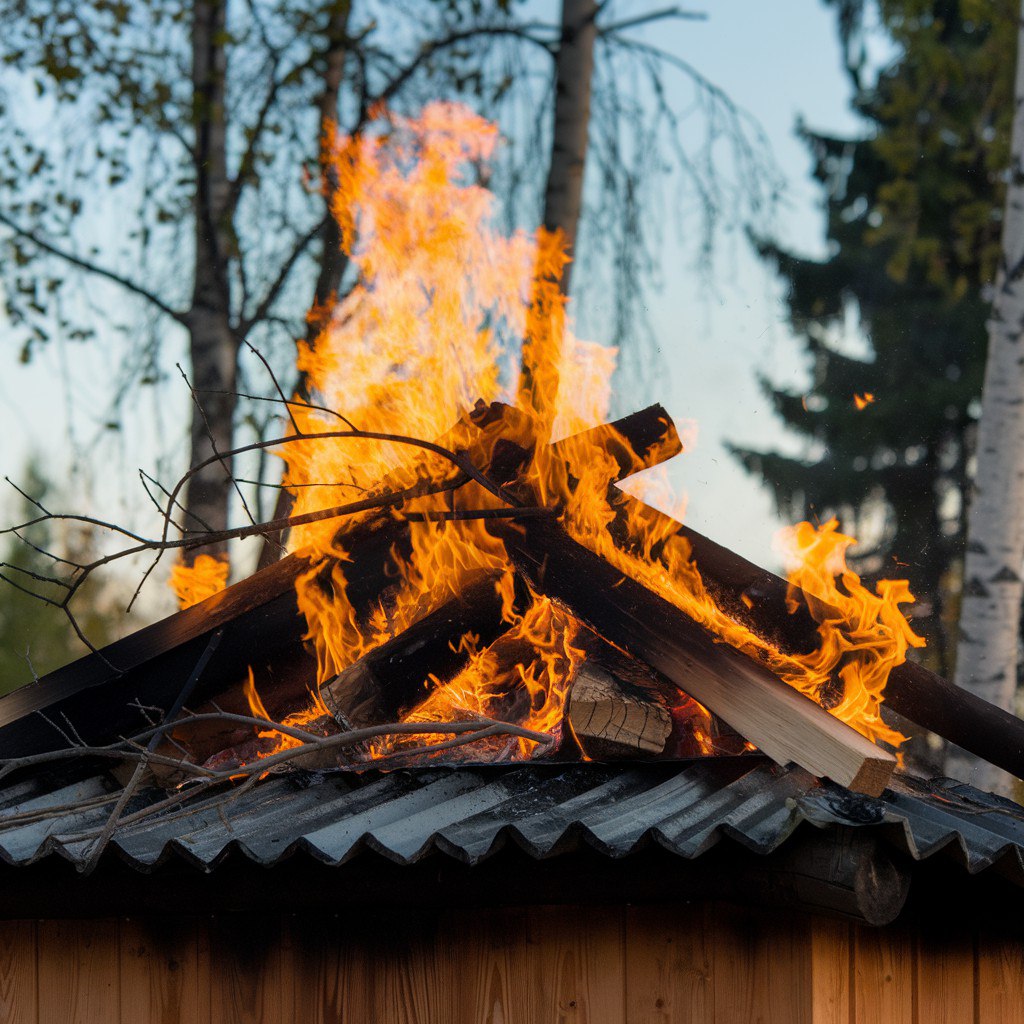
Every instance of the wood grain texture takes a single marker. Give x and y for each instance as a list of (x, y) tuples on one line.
[(490, 966), (944, 974), (669, 962), (159, 971), (78, 972), (247, 983), (575, 965), (783, 723), (18, 998), (1000, 979), (761, 966), (831, 953), (883, 982)]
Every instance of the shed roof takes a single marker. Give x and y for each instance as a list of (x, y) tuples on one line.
[(471, 813)]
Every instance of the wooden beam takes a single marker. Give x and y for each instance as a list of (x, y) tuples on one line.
[(99, 692), (390, 679), (757, 598), (783, 723)]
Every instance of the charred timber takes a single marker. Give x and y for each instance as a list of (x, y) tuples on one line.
[(391, 679), (783, 723), (100, 694), (757, 598)]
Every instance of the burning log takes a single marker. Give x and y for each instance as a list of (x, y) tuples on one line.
[(391, 678), (612, 718), (757, 598), (783, 723)]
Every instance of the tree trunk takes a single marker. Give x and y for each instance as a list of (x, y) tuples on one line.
[(212, 343), (990, 614), (574, 73), (332, 259), (563, 197)]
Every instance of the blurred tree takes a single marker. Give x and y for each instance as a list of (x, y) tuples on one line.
[(913, 221), (36, 637), (987, 661), (156, 147)]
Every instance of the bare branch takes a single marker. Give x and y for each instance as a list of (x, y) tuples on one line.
[(95, 268)]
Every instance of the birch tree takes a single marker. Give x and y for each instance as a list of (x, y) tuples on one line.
[(987, 654), (574, 75)]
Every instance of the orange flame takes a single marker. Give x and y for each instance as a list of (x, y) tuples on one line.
[(193, 583), (864, 400), (441, 296)]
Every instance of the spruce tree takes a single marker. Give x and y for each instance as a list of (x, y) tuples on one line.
[(913, 222)]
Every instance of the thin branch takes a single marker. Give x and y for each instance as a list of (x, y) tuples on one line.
[(664, 14), (95, 268)]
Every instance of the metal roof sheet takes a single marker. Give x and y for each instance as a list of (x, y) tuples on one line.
[(470, 813)]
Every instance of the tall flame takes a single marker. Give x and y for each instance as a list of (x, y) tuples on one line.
[(424, 334)]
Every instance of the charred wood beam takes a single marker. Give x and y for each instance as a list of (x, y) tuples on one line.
[(98, 695), (391, 678), (757, 598), (783, 723)]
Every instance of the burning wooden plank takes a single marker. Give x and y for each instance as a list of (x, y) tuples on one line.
[(783, 723), (758, 599)]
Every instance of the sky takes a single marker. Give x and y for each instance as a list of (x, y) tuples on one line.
[(779, 62)]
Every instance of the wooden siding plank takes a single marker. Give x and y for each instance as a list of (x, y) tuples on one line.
[(18, 999), (883, 983), (1000, 967), (246, 981), (831, 959), (575, 965), (78, 972), (668, 966), (761, 966), (414, 974), (944, 974), (487, 949), (159, 974)]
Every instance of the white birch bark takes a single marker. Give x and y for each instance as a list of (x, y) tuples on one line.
[(990, 615), (563, 191)]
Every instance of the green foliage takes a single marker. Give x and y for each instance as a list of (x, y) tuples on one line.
[(913, 221), (36, 637)]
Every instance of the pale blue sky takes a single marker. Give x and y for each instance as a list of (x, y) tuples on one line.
[(779, 61)]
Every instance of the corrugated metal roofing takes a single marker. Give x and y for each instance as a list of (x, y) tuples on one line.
[(470, 813)]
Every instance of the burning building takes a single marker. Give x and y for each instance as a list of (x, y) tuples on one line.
[(496, 739)]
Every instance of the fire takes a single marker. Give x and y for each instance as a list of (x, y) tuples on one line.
[(193, 583), (864, 400), (441, 296)]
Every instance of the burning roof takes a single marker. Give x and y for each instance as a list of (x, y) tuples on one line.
[(467, 581)]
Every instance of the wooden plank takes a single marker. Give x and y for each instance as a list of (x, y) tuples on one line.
[(78, 971), (411, 979), (883, 980), (783, 723), (944, 969), (1000, 978), (18, 999), (669, 966), (758, 598), (609, 717), (831, 961), (491, 978), (761, 966), (575, 965), (159, 973), (247, 984)]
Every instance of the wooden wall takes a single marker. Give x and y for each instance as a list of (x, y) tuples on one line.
[(550, 965)]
